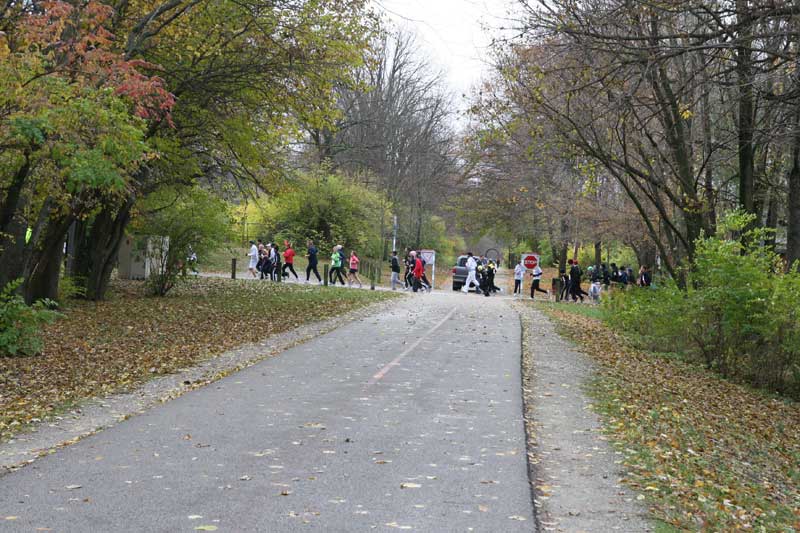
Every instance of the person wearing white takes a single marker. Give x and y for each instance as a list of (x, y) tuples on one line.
[(537, 278), (594, 292), (471, 266), (253, 255), (519, 273)]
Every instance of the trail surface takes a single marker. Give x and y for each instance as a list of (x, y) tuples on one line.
[(410, 419)]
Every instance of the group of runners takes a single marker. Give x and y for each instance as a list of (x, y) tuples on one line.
[(414, 277), (601, 278), (265, 262), (480, 272)]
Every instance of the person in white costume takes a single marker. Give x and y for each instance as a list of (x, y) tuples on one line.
[(253, 255), (471, 266)]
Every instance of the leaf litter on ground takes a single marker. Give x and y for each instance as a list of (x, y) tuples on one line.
[(705, 453), (100, 348)]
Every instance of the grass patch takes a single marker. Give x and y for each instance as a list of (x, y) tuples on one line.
[(703, 452), (106, 347)]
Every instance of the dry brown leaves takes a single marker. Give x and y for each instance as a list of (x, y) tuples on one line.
[(708, 454), (105, 347)]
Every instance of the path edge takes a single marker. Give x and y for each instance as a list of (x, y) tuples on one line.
[(94, 415), (526, 377)]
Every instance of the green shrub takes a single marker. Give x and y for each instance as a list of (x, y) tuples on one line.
[(70, 287), (20, 323), (650, 315), (739, 314), (178, 219)]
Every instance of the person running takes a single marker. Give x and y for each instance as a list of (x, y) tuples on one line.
[(537, 279), (353, 274), (336, 267), (275, 257), (424, 279), (262, 259), (417, 271), (312, 262), (395, 262), (343, 260), (483, 279), (269, 262), (594, 291), (288, 260), (253, 255), (564, 283), (408, 277), (575, 274), (471, 265), (491, 270), (623, 277), (519, 274)]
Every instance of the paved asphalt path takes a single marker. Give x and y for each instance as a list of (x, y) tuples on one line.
[(410, 419)]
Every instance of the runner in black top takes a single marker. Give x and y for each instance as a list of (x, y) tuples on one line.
[(312, 262)]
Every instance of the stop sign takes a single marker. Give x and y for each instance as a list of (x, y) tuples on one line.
[(530, 261)]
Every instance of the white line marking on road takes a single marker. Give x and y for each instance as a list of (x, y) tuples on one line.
[(396, 361)]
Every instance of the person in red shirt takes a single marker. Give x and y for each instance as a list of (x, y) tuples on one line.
[(418, 271), (288, 260)]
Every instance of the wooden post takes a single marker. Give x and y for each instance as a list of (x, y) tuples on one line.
[(233, 268), (325, 274), (372, 272)]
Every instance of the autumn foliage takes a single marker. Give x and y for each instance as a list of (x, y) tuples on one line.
[(75, 43)]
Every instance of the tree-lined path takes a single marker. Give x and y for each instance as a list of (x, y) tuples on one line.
[(411, 418)]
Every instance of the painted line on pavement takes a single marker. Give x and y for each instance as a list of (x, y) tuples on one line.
[(396, 361)]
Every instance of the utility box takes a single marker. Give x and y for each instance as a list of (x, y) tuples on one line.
[(139, 256)]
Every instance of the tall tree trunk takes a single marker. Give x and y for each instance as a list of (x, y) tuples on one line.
[(598, 254), (45, 274), (793, 229), (564, 248), (771, 218), (96, 261), (744, 75), (709, 196)]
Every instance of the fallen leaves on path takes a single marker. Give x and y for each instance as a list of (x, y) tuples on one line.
[(706, 453), (105, 347)]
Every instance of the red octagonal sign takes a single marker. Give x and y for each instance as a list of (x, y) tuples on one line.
[(530, 261)]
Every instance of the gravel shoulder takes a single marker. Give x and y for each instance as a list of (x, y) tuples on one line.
[(576, 471)]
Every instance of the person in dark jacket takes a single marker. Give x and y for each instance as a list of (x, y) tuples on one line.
[(564, 283), (623, 277), (395, 263), (276, 265), (575, 274), (312, 262), (409, 262), (491, 270), (482, 273)]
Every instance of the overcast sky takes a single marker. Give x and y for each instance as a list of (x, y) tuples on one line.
[(455, 34)]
